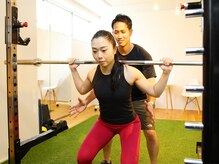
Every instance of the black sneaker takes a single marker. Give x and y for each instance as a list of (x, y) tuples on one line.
[(105, 162)]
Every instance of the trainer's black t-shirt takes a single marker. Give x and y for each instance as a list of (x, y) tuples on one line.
[(138, 53)]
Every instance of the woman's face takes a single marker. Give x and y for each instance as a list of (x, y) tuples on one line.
[(103, 51)]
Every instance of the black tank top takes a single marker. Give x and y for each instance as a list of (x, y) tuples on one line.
[(115, 106)]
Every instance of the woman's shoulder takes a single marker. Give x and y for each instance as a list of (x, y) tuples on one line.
[(91, 73), (130, 69), (131, 74)]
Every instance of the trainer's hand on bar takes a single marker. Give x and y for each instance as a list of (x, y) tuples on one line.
[(72, 64), (166, 66)]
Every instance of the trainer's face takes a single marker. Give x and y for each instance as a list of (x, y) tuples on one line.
[(121, 33)]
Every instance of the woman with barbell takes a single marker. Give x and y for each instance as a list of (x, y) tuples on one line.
[(112, 82)]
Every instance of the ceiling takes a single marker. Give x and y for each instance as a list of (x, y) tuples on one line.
[(125, 2), (104, 6), (164, 4)]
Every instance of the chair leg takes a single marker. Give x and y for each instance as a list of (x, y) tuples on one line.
[(41, 93), (187, 99), (167, 97), (196, 99), (170, 94), (54, 95), (47, 91)]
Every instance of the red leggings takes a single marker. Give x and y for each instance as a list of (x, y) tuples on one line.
[(102, 133)]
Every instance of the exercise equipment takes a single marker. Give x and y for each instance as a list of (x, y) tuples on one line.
[(38, 62), (209, 12), (194, 125), (17, 149)]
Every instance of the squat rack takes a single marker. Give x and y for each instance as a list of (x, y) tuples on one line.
[(17, 149), (208, 9)]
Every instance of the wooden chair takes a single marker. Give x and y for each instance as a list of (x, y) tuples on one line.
[(50, 90), (192, 96)]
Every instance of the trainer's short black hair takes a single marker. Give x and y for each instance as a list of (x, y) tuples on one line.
[(122, 18)]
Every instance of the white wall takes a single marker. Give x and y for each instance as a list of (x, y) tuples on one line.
[(58, 47), (82, 51), (27, 78), (169, 35)]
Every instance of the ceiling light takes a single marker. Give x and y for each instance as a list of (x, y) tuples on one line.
[(156, 6)]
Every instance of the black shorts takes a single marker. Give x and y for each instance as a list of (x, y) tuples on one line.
[(146, 121)]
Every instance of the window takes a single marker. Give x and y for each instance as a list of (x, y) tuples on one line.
[(54, 17)]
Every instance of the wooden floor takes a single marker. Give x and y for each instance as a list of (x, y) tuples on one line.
[(60, 112)]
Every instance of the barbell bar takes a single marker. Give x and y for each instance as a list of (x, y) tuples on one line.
[(149, 62), (38, 62)]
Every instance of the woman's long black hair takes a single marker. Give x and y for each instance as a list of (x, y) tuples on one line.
[(117, 70)]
